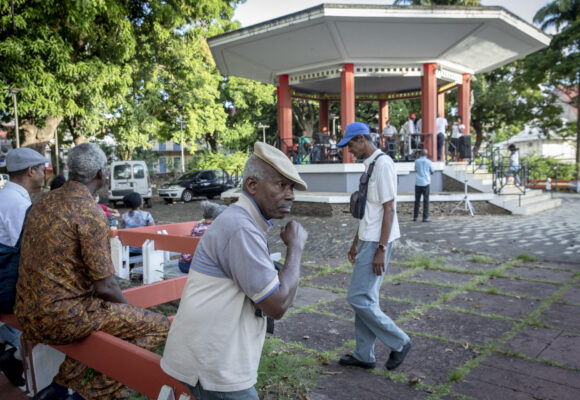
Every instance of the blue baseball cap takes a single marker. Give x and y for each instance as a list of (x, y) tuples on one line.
[(353, 130)]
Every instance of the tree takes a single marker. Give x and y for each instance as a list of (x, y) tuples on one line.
[(247, 103), (122, 66), (504, 101), (559, 64)]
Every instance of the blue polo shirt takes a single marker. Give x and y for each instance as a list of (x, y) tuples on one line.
[(424, 169)]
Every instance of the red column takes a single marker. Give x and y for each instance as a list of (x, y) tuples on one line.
[(464, 102), (323, 116), (347, 104), (429, 105), (383, 114), (284, 114)]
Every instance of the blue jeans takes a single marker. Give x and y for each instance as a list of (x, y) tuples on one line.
[(514, 171), (10, 335), (370, 322), (200, 393)]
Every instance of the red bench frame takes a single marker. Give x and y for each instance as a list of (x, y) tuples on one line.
[(125, 362)]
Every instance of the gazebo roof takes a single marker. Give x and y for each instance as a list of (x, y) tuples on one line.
[(385, 44)]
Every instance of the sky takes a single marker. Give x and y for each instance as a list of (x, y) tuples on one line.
[(255, 11)]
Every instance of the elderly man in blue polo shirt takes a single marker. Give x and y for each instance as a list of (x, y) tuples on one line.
[(215, 342), (423, 172), (370, 252)]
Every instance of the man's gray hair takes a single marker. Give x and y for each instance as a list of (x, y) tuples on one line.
[(254, 168), (85, 161)]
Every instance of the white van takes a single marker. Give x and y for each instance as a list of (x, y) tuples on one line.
[(129, 176)]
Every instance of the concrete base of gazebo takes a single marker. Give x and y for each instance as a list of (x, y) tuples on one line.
[(329, 204), (344, 178)]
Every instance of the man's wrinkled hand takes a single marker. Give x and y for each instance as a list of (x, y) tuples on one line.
[(293, 234)]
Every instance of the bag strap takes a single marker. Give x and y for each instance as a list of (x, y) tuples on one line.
[(372, 166), (364, 188)]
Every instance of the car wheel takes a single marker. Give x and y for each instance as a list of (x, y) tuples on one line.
[(148, 203), (168, 201), (187, 195)]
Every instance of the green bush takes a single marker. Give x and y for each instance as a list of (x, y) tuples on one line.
[(231, 163), (541, 167)]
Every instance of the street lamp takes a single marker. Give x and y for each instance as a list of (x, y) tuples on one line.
[(14, 91), (261, 125)]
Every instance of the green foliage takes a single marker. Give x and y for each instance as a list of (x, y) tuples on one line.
[(505, 100), (247, 103), (542, 167), (283, 372), (231, 163), (559, 63), (139, 70)]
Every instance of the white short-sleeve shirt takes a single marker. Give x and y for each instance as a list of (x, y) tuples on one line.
[(381, 189), (14, 201)]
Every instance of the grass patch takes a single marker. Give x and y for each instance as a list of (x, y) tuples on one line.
[(459, 373), (482, 259), (424, 261), (284, 372), (526, 258)]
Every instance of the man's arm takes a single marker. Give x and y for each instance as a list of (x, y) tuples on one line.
[(276, 304), (108, 289), (386, 224), (352, 251)]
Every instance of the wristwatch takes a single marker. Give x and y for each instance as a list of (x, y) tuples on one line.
[(382, 247)]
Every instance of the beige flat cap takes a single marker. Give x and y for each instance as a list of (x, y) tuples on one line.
[(280, 162)]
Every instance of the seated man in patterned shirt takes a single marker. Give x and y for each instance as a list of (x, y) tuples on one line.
[(66, 289)]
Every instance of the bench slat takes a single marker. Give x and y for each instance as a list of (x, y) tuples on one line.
[(123, 361)]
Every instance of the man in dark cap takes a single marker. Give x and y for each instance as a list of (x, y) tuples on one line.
[(26, 170), (370, 252), (215, 342)]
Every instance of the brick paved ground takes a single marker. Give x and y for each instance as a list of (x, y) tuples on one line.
[(492, 304)]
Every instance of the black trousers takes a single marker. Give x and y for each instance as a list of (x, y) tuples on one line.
[(421, 190), (440, 142)]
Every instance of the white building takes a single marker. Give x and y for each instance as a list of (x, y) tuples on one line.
[(533, 140)]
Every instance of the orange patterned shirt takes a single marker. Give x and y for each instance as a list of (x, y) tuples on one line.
[(65, 248)]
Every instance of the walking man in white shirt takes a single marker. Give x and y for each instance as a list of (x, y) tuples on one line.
[(370, 253)]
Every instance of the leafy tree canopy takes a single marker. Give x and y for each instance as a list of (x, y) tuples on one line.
[(559, 64), (134, 68)]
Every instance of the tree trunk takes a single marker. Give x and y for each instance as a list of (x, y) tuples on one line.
[(36, 137)]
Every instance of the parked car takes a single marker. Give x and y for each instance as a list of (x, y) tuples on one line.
[(207, 182), (129, 176)]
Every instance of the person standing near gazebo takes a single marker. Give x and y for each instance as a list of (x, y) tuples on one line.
[(441, 125)]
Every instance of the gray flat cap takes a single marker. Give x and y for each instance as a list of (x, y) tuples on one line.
[(280, 162), (22, 158)]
